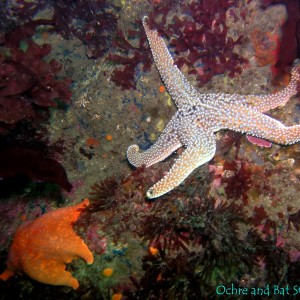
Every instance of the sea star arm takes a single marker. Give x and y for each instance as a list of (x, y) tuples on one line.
[(57, 276), (249, 120), (166, 144), (178, 87), (263, 103), (201, 149)]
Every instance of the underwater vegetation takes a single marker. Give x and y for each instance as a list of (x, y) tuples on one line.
[(32, 164), (221, 227), (130, 57), (209, 50), (190, 241), (28, 83), (205, 50), (31, 86), (93, 22), (29, 89), (194, 241)]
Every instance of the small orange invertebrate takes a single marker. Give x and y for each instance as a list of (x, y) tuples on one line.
[(117, 296), (153, 251), (161, 89), (91, 142), (109, 137), (108, 272)]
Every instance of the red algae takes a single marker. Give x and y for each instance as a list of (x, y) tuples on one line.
[(28, 82)]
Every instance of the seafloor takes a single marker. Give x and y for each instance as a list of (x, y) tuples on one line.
[(235, 221)]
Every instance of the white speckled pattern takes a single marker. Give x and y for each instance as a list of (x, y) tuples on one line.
[(199, 116)]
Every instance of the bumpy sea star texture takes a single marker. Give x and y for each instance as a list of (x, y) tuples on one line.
[(199, 116), (42, 248)]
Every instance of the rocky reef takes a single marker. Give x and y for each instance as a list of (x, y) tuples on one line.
[(77, 88)]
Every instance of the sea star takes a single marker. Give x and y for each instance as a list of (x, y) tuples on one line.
[(42, 248), (199, 116)]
